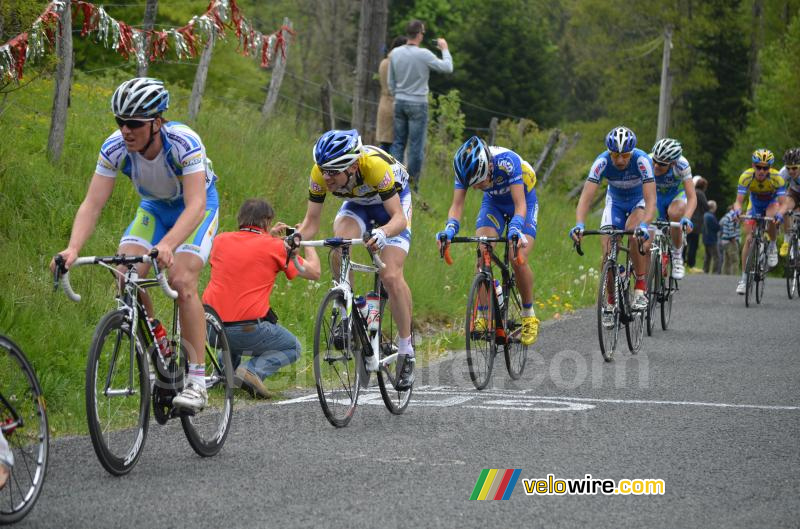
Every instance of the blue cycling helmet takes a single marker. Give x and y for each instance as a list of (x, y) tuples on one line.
[(763, 156), (471, 162), (621, 139), (336, 150), (140, 97)]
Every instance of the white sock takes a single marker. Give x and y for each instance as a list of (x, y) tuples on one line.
[(197, 374), (744, 277), (528, 312), (405, 347), (677, 254)]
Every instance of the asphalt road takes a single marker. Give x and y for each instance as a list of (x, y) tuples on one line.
[(711, 407)]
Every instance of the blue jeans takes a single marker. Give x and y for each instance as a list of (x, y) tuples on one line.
[(410, 127), (269, 345)]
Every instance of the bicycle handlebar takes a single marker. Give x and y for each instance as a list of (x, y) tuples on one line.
[(61, 275), (444, 248), (756, 217), (334, 242), (577, 244)]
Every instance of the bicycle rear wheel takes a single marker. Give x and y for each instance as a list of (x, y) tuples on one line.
[(653, 294), (117, 394), (790, 271), (396, 401), (23, 421), (516, 354), (480, 329), (668, 287), (608, 310), (207, 430), (336, 358), (751, 264)]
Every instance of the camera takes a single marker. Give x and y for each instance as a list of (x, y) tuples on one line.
[(289, 231)]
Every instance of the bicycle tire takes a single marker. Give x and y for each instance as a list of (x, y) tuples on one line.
[(30, 441), (634, 327), (514, 351), (653, 294), (794, 265), (608, 334), (396, 401), (128, 421), (207, 430), (481, 343), (749, 269), (761, 273), (790, 270), (668, 287), (336, 367)]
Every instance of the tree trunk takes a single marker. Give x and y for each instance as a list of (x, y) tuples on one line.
[(366, 92), (756, 41), (493, 129), (564, 145), (150, 10), (58, 121), (277, 74), (326, 99), (199, 86)]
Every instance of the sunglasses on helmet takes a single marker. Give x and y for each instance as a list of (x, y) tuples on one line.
[(132, 123)]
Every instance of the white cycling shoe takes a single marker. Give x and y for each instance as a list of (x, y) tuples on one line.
[(678, 270), (772, 255), (741, 288)]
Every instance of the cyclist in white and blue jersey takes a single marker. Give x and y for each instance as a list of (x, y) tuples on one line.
[(178, 214), (507, 182), (630, 199), (675, 191)]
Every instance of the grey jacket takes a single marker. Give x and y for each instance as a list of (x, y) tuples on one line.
[(409, 71)]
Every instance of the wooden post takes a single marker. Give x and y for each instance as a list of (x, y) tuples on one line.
[(277, 74), (371, 41), (150, 10), (664, 92), (493, 130), (326, 99), (199, 86), (548, 146), (563, 147), (58, 122)]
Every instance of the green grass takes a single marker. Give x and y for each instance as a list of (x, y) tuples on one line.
[(38, 201)]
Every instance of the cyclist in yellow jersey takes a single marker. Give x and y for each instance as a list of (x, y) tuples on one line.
[(767, 197), (374, 187)]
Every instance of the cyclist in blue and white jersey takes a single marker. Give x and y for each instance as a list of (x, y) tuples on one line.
[(178, 214), (790, 172), (630, 199), (676, 199), (507, 182)]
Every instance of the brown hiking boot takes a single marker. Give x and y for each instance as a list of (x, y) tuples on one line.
[(250, 383)]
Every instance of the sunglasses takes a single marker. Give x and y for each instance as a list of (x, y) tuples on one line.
[(623, 155), (132, 123), (661, 164), (762, 167), (330, 173), (793, 167)]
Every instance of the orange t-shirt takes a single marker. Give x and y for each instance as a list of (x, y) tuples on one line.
[(244, 265)]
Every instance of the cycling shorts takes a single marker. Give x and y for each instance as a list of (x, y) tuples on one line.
[(616, 212), (154, 218), (665, 200), (758, 207), (366, 214), (492, 212)]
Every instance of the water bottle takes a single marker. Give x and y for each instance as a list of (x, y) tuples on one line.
[(161, 339), (361, 305), (498, 290), (373, 310)]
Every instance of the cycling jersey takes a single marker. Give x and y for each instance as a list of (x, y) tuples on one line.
[(508, 168), (623, 185), (764, 191), (379, 178), (160, 179), (791, 184), (672, 181)]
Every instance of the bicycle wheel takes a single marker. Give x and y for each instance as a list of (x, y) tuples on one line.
[(790, 271), (668, 287), (396, 401), (480, 330), (761, 272), (634, 327), (515, 352), (23, 421), (117, 394), (336, 358), (653, 294), (207, 430), (608, 310), (750, 272)]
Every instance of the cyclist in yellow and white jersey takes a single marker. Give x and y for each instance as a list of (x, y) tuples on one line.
[(766, 189), (374, 187), (790, 172)]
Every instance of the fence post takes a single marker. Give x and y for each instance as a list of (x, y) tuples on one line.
[(493, 130), (277, 73), (326, 99), (200, 75), (58, 121), (150, 10), (548, 146), (563, 147)]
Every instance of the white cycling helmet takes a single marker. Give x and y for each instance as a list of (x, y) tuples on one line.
[(140, 97), (667, 150)]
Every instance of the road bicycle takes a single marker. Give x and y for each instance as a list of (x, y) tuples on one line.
[(661, 286), (23, 422), (348, 346), (119, 386), (756, 261), (494, 310), (792, 268), (615, 296)]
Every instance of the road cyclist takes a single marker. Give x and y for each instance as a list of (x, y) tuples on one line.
[(790, 172)]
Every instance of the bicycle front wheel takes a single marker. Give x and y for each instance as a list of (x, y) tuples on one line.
[(608, 310), (117, 393), (793, 268), (653, 294), (761, 273), (480, 330), (668, 287), (750, 267), (634, 328), (23, 421), (207, 430), (336, 358), (396, 401), (515, 352)]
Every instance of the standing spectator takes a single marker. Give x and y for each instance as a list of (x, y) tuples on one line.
[(729, 242), (244, 265), (384, 133), (693, 238), (409, 70), (711, 262)]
